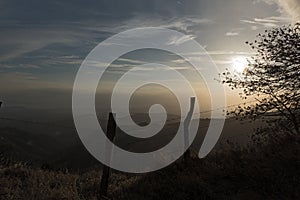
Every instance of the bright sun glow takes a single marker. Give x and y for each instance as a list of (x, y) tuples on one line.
[(239, 64)]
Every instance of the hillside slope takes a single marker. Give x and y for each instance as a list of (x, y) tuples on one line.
[(270, 172)]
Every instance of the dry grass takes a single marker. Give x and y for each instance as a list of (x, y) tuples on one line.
[(271, 172)]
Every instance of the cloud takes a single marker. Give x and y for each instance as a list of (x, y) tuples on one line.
[(20, 79), (291, 7), (18, 41), (180, 40), (159, 68), (221, 53), (131, 61), (287, 7), (254, 28), (234, 32), (267, 22), (20, 65), (267, 25), (186, 24)]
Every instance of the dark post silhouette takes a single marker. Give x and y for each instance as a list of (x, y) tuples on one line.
[(0, 104), (110, 133), (186, 125)]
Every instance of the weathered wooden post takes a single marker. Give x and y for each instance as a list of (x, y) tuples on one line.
[(186, 125), (110, 133)]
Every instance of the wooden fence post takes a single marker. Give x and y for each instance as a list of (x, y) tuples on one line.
[(110, 133), (186, 125)]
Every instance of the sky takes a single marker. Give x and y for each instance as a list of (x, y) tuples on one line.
[(43, 43)]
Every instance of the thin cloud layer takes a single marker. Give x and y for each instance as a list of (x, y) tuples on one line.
[(291, 7), (287, 7)]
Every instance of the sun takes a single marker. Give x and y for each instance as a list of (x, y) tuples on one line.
[(239, 64)]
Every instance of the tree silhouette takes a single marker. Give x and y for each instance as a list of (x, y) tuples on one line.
[(272, 77)]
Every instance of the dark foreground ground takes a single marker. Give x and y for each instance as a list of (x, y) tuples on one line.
[(270, 172)]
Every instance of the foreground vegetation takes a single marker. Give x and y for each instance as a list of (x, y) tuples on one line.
[(268, 172)]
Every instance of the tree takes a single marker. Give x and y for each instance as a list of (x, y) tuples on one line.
[(272, 77)]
